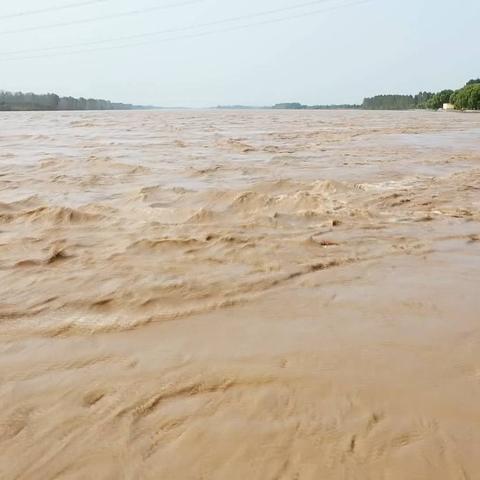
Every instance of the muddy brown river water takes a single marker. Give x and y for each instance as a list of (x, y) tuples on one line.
[(240, 295)]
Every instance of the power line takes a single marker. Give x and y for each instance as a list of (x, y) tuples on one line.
[(103, 17), (197, 35), (28, 13), (173, 30)]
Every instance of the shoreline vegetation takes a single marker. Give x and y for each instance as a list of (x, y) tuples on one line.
[(19, 101), (466, 98)]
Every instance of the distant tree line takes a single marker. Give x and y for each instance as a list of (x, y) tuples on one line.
[(290, 106), (389, 102), (466, 98), (345, 106), (30, 101), (299, 106)]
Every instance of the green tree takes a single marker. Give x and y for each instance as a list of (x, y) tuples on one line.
[(439, 99), (467, 98), (422, 98)]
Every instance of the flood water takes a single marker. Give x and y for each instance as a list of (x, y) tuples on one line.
[(239, 294)]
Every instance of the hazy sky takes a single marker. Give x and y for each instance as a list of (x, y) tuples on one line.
[(338, 51)]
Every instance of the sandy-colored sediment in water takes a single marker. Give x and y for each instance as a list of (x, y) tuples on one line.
[(240, 295)]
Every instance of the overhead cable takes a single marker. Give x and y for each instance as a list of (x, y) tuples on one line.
[(195, 35), (172, 30), (56, 8), (130, 13)]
